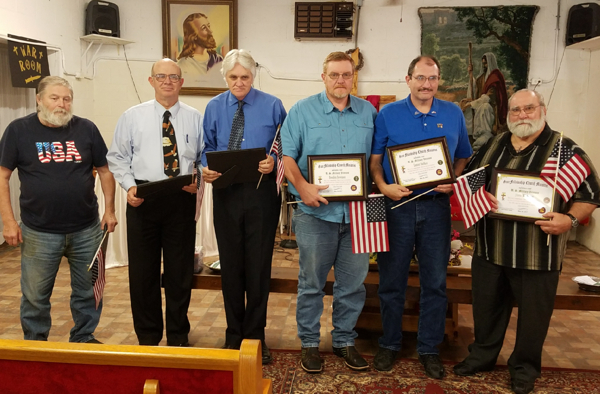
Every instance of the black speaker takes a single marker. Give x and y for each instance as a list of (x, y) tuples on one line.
[(583, 22), (102, 17)]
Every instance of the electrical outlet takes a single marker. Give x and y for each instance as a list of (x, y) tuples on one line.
[(536, 81)]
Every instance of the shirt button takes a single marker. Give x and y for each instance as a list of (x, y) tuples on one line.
[(424, 124)]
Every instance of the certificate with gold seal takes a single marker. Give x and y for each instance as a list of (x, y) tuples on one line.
[(345, 175), (522, 195), (421, 164)]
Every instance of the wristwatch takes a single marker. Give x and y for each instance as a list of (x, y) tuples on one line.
[(574, 221)]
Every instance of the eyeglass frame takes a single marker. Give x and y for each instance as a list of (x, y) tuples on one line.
[(164, 77), (431, 79), (532, 108), (340, 75)]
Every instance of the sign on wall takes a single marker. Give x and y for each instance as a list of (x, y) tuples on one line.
[(28, 62)]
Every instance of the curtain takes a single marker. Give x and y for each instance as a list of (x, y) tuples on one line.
[(14, 103)]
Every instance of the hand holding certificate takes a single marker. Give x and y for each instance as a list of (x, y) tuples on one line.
[(345, 176), (522, 196), (421, 164)]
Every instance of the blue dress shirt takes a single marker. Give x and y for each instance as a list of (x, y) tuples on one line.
[(137, 148), (401, 123), (315, 127), (262, 114)]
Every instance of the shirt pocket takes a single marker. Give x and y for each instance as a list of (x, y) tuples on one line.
[(363, 134), (320, 135), (190, 145)]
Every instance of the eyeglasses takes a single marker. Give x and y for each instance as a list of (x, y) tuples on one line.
[(528, 109), (423, 78), (336, 76), (162, 77)]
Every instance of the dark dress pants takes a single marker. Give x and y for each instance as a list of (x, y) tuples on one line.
[(161, 223), (495, 288), (245, 224)]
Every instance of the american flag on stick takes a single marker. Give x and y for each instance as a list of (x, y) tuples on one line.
[(98, 266), (570, 173), (278, 150), (470, 193), (368, 225), (200, 184)]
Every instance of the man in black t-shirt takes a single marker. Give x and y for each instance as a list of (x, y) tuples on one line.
[(55, 153)]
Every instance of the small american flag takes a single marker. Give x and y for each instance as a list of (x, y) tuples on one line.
[(278, 150), (470, 193), (572, 170), (97, 267), (368, 225), (199, 191)]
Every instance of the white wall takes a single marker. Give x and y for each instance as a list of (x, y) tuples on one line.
[(389, 37)]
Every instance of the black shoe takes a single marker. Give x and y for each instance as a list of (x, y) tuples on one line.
[(184, 344), (351, 357), (230, 346), (94, 340), (464, 369), (311, 360), (434, 368), (384, 359), (266, 354), (521, 386)]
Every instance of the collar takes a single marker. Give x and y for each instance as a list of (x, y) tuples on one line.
[(328, 105), (248, 100), (161, 110), (417, 114)]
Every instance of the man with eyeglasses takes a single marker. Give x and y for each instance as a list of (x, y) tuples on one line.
[(153, 141), (421, 225), (513, 260), (331, 122)]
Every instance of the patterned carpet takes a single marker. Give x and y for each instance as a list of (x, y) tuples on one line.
[(408, 377)]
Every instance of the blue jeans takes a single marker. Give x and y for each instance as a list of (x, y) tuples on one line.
[(323, 245), (425, 227), (41, 254)]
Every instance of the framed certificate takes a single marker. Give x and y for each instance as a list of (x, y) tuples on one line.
[(346, 176), (421, 164), (522, 195)]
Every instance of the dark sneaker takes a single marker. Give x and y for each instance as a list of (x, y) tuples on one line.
[(434, 368), (464, 369), (311, 360), (384, 359), (94, 340), (521, 386), (351, 357), (266, 354)]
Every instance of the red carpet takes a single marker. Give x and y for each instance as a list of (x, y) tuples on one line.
[(408, 377)]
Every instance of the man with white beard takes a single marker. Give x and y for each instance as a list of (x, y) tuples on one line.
[(513, 260), (55, 153)]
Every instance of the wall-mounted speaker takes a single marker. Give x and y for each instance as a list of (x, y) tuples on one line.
[(102, 17), (583, 22)]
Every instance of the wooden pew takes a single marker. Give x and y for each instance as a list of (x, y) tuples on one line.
[(52, 367)]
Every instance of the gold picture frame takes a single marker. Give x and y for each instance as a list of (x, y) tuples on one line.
[(185, 24)]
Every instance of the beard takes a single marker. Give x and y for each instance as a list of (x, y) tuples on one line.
[(209, 43), (528, 127), (58, 117)]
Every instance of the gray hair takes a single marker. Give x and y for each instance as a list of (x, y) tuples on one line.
[(52, 81), (241, 57), (537, 94)]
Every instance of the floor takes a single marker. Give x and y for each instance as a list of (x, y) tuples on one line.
[(573, 339)]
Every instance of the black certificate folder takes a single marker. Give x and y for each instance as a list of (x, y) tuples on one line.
[(163, 187), (236, 166)]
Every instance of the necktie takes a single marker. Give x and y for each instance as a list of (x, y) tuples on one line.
[(237, 128), (169, 147)]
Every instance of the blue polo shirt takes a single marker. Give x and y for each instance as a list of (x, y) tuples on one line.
[(401, 123), (262, 114), (315, 127)]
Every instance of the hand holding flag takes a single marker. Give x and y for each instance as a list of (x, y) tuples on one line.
[(470, 193), (565, 167), (98, 266)]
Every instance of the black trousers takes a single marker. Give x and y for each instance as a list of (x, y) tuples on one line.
[(164, 224), (245, 224), (495, 288)]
